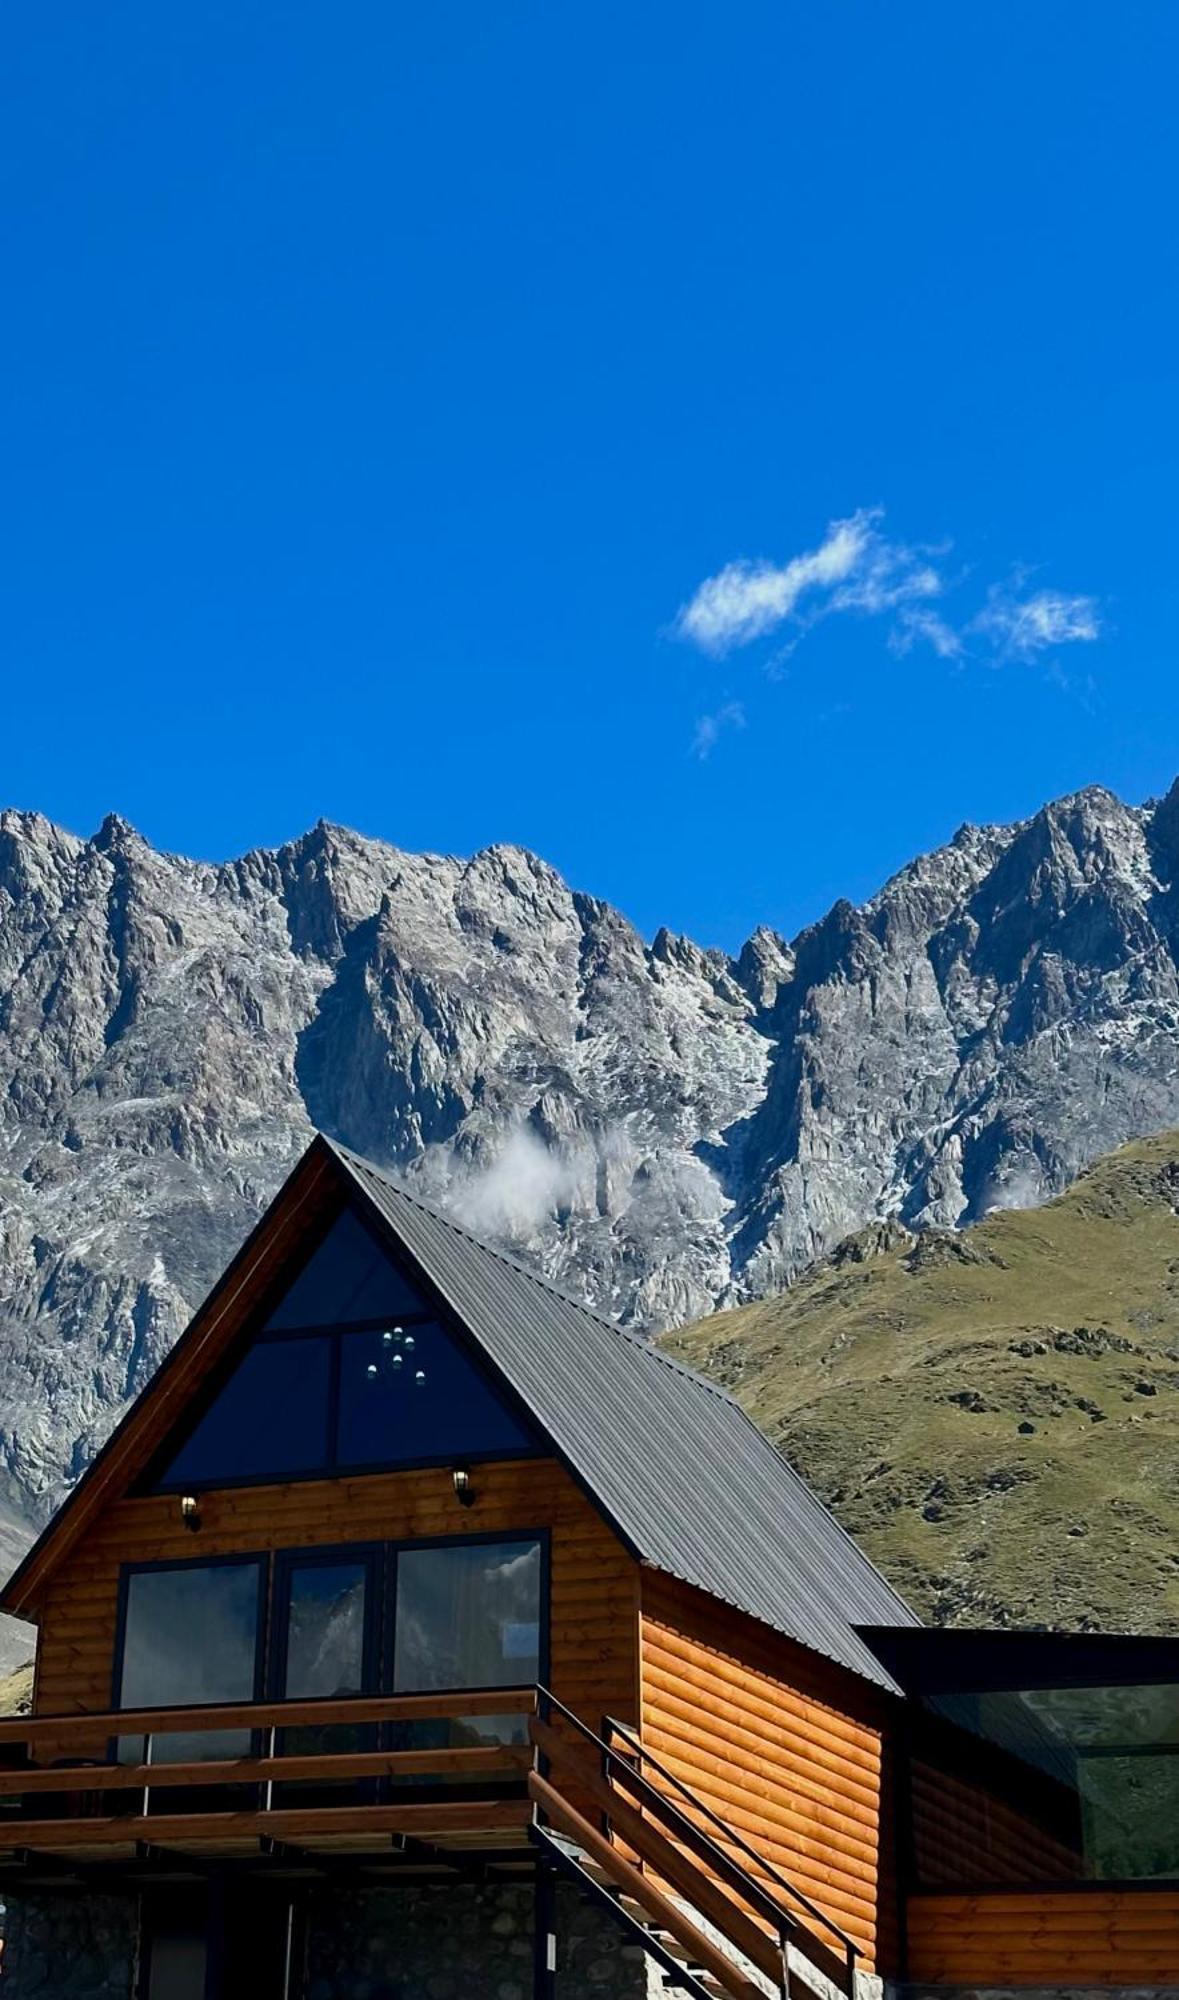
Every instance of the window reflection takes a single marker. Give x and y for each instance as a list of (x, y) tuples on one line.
[(1048, 1784), (468, 1616), (190, 1638)]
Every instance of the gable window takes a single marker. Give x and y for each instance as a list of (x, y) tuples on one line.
[(271, 1417), (346, 1281), (350, 1371), (191, 1637), (408, 1392)]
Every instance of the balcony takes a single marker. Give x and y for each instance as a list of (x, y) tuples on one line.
[(62, 1805)]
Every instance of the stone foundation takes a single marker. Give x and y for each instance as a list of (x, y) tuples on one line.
[(59, 1947), (462, 1942)]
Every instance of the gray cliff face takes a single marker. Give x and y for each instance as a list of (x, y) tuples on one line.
[(661, 1128)]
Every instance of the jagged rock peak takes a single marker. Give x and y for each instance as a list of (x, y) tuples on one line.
[(660, 1127)]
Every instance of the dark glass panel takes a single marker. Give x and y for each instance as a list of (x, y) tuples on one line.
[(326, 1653), (468, 1616), (348, 1278), (190, 1637), (1049, 1784), (325, 1630), (270, 1418), (413, 1394)]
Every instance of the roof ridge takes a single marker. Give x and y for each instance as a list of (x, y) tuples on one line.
[(522, 1270)]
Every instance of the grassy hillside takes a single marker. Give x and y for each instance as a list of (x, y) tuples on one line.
[(995, 1415)]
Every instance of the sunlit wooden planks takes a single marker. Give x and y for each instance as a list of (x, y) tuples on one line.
[(782, 1749), (1095, 1937)]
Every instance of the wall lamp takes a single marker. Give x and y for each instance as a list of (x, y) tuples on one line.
[(190, 1512), (464, 1492)]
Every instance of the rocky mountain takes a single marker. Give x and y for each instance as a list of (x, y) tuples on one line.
[(663, 1128), (992, 1412)]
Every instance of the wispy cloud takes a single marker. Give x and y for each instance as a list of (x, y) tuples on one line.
[(860, 570), (920, 625), (745, 600), (709, 728), (1021, 628)]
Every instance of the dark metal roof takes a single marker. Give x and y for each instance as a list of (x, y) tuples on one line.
[(684, 1475)]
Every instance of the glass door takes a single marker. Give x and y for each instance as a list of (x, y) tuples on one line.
[(325, 1649), (466, 1615)]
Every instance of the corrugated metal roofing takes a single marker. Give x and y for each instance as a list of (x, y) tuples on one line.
[(683, 1473)]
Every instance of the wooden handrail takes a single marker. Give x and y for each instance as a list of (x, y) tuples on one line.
[(672, 1864), (423, 1822), (620, 1771), (482, 1760), (323, 1711), (848, 1947)]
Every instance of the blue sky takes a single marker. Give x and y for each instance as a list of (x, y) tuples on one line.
[(442, 419)]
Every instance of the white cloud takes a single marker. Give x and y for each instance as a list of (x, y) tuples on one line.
[(745, 600), (1020, 628), (919, 623), (520, 1188), (710, 727)]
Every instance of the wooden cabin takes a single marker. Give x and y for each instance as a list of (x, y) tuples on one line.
[(421, 1635)]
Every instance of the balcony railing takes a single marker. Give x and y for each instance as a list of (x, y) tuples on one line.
[(78, 1786)]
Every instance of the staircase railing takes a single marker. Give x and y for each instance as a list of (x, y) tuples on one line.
[(845, 1947), (639, 1819)]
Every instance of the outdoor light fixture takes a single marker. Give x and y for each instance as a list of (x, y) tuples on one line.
[(190, 1513), (464, 1492)]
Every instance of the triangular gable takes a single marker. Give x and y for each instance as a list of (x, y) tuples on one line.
[(349, 1370), (316, 1196)]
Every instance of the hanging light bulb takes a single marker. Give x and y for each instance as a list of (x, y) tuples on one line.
[(409, 1343), (420, 1377), (371, 1371), (397, 1360)]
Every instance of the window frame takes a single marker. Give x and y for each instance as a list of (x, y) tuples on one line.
[(394, 1550), (255, 1333), (283, 1564), (261, 1560), (275, 1566)]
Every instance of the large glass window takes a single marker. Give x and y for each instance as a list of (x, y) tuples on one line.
[(191, 1636), (324, 1624), (349, 1278), (348, 1373), (271, 1418), (325, 1649), (409, 1392), (1048, 1784), (467, 1616)]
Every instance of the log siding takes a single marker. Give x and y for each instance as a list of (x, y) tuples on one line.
[(787, 1749), (593, 1580)]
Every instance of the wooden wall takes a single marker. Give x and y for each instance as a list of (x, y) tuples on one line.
[(786, 1748), (1093, 1937), (594, 1579)]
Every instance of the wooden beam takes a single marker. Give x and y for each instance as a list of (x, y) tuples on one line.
[(328, 1768), (85, 1728), (296, 1824)]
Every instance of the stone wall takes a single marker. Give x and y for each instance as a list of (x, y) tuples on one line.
[(60, 1947), (461, 1942)]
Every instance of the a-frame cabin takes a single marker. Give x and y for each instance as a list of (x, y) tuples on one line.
[(420, 1632)]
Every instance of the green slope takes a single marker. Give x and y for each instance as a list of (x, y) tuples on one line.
[(995, 1415)]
